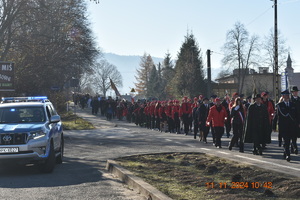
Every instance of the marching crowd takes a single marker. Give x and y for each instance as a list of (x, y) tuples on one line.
[(250, 119)]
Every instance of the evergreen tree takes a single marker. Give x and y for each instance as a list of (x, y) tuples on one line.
[(189, 78), (143, 74), (153, 84), (167, 75)]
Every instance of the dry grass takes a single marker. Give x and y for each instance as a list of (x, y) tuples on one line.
[(198, 176)]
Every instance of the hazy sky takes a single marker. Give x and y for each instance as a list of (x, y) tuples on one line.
[(132, 27)]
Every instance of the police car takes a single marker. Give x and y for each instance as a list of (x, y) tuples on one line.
[(31, 132)]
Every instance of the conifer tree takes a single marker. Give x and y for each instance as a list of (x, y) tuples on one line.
[(189, 78), (153, 84), (167, 75), (143, 74)]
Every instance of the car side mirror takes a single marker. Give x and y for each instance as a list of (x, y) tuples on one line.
[(55, 119)]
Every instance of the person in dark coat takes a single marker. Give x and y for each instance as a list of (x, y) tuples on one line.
[(288, 121), (203, 114), (257, 125), (211, 104), (95, 106), (196, 118), (296, 100), (237, 115)]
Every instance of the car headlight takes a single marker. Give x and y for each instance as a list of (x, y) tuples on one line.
[(36, 134)]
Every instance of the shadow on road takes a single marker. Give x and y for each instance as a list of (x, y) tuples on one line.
[(71, 172)]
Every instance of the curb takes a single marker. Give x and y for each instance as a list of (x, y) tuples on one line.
[(135, 182)]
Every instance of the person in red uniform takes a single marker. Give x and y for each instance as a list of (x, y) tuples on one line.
[(217, 115), (147, 115), (271, 110), (170, 120), (152, 114), (176, 116), (163, 117), (186, 110), (195, 104), (156, 115)]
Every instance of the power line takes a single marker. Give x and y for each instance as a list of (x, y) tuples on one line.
[(259, 16)]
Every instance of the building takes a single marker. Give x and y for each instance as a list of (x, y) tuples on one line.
[(259, 81), (293, 78)]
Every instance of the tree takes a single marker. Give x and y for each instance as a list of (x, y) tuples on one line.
[(240, 51), (269, 49), (51, 43), (143, 74), (101, 75), (153, 83), (167, 74), (189, 78)]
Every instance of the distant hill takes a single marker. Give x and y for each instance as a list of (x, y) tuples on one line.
[(127, 66)]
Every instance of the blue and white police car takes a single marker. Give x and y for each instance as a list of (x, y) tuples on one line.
[(31, 132)]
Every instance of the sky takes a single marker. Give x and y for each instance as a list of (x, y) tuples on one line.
[(133, 27)]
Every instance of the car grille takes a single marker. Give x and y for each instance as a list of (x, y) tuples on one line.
[(13, 138)]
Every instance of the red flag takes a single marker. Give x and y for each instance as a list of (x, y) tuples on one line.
[(113, 86)]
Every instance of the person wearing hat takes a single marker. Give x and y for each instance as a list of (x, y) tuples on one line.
[(270, 107), (217, 116), (286, 116), (195, 116), (203, 114), (211, 104), (186, 113), (227, 106), (237, 119), (176, 116), (296, 100), (257, 125), (170, 120)]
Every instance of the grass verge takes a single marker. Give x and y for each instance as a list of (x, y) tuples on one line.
[(73, 122), (199, 176)]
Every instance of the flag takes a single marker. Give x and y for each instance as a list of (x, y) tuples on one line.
[(113, 86)]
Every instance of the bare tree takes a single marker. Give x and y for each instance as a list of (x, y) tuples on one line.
[(240, 51), (9, 11), (269, 49), (102, 73)]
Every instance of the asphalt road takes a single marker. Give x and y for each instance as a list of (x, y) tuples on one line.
[(83, 174)]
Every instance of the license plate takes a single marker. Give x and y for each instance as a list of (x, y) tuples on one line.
[(9, 150)]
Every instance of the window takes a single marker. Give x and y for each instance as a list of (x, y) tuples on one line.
[(22, 114)]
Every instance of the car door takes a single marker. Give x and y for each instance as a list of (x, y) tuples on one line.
[(55, 128)]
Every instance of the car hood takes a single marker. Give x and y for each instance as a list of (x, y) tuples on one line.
[(20, 127)]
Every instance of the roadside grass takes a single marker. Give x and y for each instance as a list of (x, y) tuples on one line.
[(71, 121), (198, 176)]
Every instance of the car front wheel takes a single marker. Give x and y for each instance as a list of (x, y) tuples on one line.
[(49, 164)]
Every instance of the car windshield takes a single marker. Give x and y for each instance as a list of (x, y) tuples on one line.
[(22, 114)]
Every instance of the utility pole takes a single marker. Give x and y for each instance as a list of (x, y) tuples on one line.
[(208, 74), (276, 76)]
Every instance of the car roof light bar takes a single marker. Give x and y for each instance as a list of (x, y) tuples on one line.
[(24, 99)]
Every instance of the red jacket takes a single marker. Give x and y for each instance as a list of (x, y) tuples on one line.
[(168, 110), (271, 109), (217, 118), (186, 108), (161, 111), (176, 109)]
